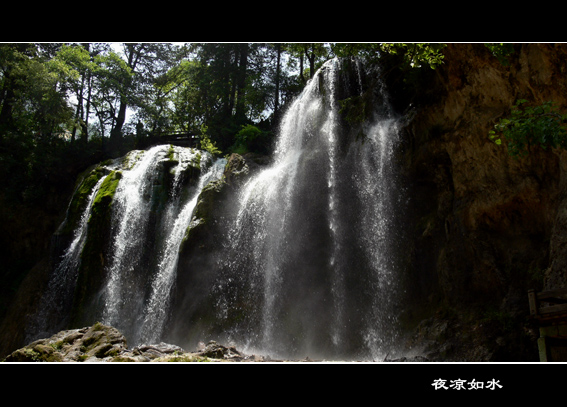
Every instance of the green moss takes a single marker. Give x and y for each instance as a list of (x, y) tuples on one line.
[(98, 327), (203, 211), (122, 359), (208, 197), (196, 162), (79, 201), (57, 345), (80, 197), (91, 272), (107, 190), (191, 233), (356, 109), (171, 153), (188, 358), (131, 159), (40, 353), (32, 355)]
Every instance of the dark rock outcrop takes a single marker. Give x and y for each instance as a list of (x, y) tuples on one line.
[(485, 227)]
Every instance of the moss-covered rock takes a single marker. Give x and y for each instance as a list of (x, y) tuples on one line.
[(76, 345), (102, 343), (200, 231), (93, 257), (104, 196), (80, 197)]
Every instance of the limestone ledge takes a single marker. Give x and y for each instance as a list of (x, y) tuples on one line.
[(101, 343)]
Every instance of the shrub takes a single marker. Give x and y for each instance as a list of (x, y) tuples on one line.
[(250, 138), (529, 126)]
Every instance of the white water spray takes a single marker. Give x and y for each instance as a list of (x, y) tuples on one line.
[(312, 235)]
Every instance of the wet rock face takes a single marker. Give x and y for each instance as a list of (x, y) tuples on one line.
[(482, 211), (486, 226)]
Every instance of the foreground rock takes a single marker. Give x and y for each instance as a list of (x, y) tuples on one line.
[(101, 343)]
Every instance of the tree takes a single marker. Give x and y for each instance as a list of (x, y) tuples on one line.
[(314, 53), (279, 49), (408, 55), (81, 67), (14, 61), (124, 80), (282, 83), (110, 81), (36, 110), (222, 86), (34, 91), (182, 98)]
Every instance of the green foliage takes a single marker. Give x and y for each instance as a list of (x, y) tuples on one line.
[(417, 55), (207, 144), (411, 55), (79, 199), (356, 109), (37, 87), (502, 320), (502, 51), (106, 192), (529, 126), (249, 138)]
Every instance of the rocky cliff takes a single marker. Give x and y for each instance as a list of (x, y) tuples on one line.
[(484, 227)]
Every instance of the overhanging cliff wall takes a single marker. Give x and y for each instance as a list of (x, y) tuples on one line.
[(485, 227)]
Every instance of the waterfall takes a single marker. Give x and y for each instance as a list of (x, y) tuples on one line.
[(58, 295), (302, 261), (157, 306), (150, 209), (310, 268), (127, 305)]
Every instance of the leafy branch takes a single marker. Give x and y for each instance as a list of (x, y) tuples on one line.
[(417, 55), (528, 126)]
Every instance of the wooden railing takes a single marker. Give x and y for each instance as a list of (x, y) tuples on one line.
[(185, 139), (549, 310), (548, 305)]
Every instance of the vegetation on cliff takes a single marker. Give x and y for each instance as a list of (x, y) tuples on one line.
[(531, 126), (487, 226)]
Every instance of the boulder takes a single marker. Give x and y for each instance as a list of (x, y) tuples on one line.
[(91, 344), (102, 343)]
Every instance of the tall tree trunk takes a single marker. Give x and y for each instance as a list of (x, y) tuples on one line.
[(134, 52), (301, 68), (278, 69), (240, 112), (311, 57), (85, 122), (79, 111), (7, 103), (86, 109), (229, 89)]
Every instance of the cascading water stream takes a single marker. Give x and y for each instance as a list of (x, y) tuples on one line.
[(126, 304), (158, 303), (58, 296), (310, 246), (151, 208), (131, 207)]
